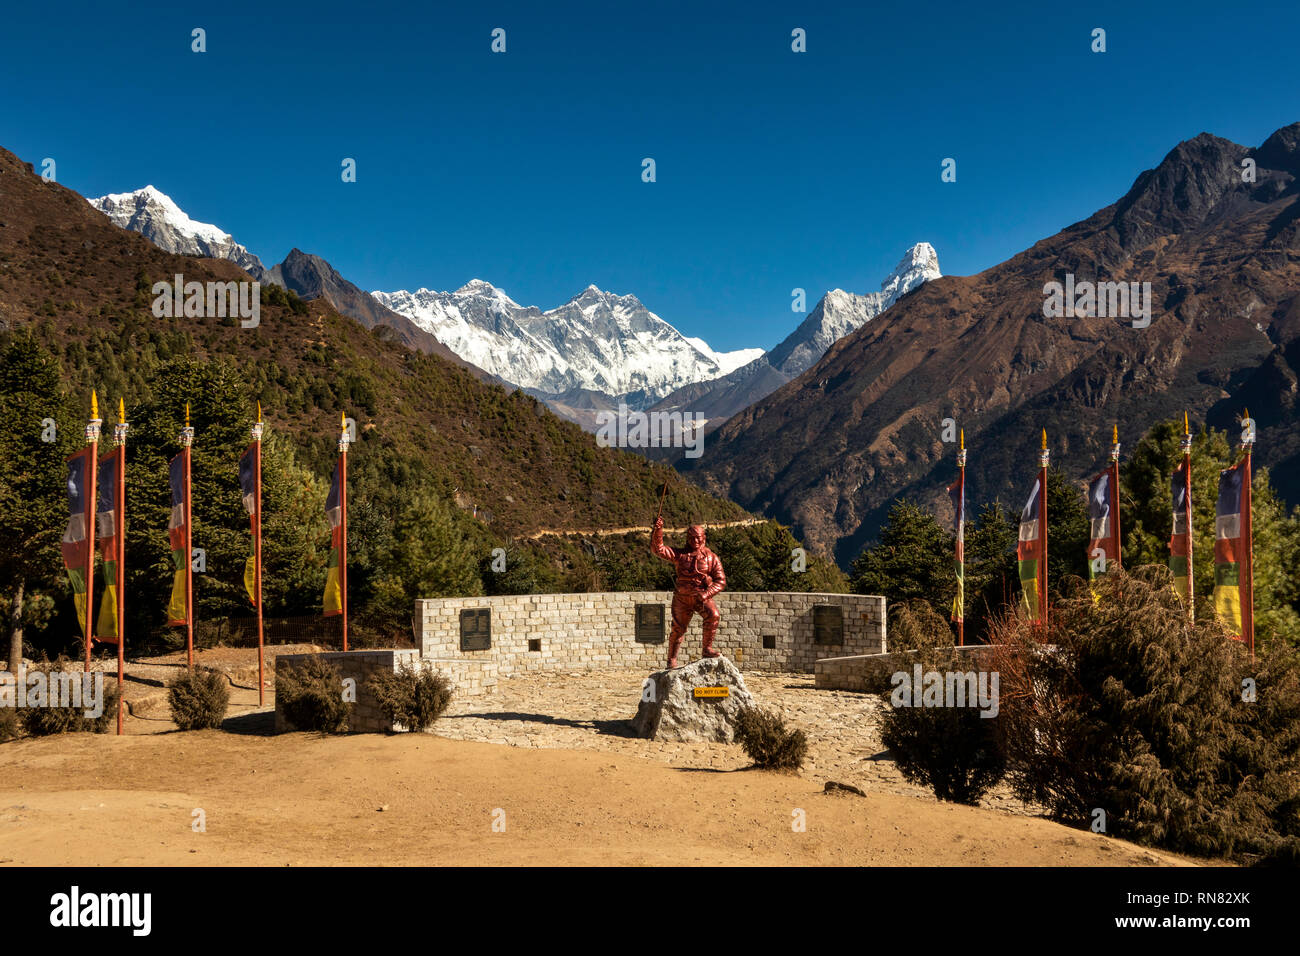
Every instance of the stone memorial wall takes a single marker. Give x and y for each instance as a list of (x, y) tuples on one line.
[(768, 631)]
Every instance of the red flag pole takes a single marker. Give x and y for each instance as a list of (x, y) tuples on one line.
[(1248, 597), (961, 519), (1114, 496), (187, 439), (257, 552), (1042, 490), (1187, 468), (119, 436), (343, 524), (92, 516)]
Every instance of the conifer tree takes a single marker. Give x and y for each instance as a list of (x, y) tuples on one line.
[(40, 430)]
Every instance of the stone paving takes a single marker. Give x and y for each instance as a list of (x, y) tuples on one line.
[(592, 710)]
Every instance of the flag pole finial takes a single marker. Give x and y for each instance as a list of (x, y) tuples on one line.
[(94, 404), (119, 431), (259, 411), (1186, 430), (187, 414), (1114, 435), (963, 438), (1044, 439)]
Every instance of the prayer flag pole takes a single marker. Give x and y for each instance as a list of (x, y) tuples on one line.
[(257, 553), (119, 436), (343, 507), (187, 439), (92, 489)]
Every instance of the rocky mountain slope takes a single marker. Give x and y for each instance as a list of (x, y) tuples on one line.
[(830, 451), (311, 277)]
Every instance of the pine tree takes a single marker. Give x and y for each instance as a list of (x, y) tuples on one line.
[(429, 557), (912, 560), (40, 431), (1068, 531), (991, 573)]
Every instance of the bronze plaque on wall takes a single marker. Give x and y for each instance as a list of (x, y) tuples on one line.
[(828, 624), (649, 623), (476, 629)]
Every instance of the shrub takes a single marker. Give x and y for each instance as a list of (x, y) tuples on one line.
[(768, 743), (42, 721), (311, 695), (952, 750), (410, 697), (915, 626), (9, 725), (198, 699), (1140, 713)]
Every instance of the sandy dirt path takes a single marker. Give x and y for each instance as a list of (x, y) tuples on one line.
[(301, 799)]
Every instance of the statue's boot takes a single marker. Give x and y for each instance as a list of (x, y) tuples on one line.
[(708, 649), (674, 644)]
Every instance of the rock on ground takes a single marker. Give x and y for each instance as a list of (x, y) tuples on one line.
[(669, 709)]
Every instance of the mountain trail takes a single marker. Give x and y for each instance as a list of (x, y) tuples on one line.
[(605, 532)]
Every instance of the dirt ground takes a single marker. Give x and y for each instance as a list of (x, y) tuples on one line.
[(519, 788)]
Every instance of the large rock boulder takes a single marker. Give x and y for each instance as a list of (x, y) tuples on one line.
[(670, 709)]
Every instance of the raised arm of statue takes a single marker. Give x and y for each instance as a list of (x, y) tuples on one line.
[(657, 542)]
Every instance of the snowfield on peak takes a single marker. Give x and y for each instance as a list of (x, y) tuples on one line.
[(598, 340)]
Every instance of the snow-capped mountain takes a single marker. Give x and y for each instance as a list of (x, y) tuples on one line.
[(840, 312), (836, 315), (155, 216), (597, 341)]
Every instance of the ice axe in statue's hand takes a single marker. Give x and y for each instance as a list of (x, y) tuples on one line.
[(660, 513)]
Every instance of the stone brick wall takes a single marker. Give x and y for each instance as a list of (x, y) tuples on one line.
[(546, 632), (872, 673)]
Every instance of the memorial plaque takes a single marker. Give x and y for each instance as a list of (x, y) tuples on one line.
[(828, 624), (476, 629), (649, 623)]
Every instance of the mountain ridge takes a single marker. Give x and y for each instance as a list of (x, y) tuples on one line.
[(829, 451), (596, 341)]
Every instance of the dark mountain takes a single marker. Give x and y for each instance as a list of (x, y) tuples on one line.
[(311, 277), (830, 451)]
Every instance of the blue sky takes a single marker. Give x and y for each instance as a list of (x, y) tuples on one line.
[(775, 169)]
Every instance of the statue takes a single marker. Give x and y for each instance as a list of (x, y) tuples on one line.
[(699, 579)]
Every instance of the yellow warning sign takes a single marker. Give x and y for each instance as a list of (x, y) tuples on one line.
[(712, 692)]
